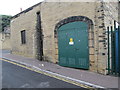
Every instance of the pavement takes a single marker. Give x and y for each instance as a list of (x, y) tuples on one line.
[(77, 75)]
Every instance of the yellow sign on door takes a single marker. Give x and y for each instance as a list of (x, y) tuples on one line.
[(71, 41)]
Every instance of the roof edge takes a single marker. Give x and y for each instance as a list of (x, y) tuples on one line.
[(26, 10)]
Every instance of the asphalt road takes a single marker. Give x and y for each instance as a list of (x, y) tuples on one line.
[(14, 76)]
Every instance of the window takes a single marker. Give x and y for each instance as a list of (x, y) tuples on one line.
[(23, 37)]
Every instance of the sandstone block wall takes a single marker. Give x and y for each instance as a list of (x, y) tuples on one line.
[(26, 21), (51, 14), (5, 41)]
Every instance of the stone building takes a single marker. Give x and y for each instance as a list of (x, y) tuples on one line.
[(72, 34), (5, 39)]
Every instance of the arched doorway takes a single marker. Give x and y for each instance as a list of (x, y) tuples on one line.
[(73, 44)]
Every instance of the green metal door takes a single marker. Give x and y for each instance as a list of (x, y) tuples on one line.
[(73, 45)]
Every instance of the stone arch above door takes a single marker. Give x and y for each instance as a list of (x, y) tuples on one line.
[(75, 19)]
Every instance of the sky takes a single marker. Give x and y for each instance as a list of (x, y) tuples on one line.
[(12, 7)]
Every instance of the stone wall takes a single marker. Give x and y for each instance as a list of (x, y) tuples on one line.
[(110, 17), (51, 14), (5, 41), (25, 21)]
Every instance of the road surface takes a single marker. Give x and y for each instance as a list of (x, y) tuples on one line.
[(14, 76)]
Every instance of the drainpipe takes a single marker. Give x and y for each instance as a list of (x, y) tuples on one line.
[(119, 49), (108, 53)]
